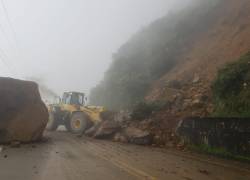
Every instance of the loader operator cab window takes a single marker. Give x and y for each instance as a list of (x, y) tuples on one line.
[(67, 100), (77, 99), (74, 98)]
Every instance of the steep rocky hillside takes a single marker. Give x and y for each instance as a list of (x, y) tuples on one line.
[(175, 59), (151, 53), (169, 67), (188, 85)]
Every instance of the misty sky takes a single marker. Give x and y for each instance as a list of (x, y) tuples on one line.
[(69, 43)]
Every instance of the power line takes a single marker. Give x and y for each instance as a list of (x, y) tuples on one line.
[(6, 37), (4, 55), (13, 34), (9, 21), (6, 64)]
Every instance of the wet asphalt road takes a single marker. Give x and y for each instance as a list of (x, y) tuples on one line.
[(66, 157)]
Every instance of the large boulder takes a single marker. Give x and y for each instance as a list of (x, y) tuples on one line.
[(23, 115), (138, 136), (107, 129)]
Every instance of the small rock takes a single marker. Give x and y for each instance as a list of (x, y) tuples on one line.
[(204, 171), (187, 178), (15, 144), (181, 146), (120, 138), (196, 79), (197, 103), (5, 156)]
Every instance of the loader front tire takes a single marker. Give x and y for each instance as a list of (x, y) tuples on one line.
[(78, 123)]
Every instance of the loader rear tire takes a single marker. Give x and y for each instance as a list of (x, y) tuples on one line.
[(52, 124), (78, 123)]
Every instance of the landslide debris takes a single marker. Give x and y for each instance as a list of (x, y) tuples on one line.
[(23, 115), (121, 127)]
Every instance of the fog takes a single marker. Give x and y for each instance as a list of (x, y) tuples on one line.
[(68, 44)]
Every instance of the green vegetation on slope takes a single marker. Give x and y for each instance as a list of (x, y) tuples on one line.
[(231, 89), (149, 54)]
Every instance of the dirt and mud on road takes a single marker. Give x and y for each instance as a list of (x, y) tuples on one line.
[(67, 157)]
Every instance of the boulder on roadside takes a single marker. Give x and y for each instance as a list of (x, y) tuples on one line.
[(107, 129), (23, 115), (15, 144), (119, 137), (137, 136)]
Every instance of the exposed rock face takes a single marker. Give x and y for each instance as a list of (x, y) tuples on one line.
[(23, 115)]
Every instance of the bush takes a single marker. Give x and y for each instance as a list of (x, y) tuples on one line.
[(231, 89)]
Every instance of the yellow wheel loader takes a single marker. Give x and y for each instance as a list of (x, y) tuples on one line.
[(72, 112)]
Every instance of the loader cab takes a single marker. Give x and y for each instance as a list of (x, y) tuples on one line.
[(74, 98)]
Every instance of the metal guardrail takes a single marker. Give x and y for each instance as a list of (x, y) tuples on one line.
[(233, 134)]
